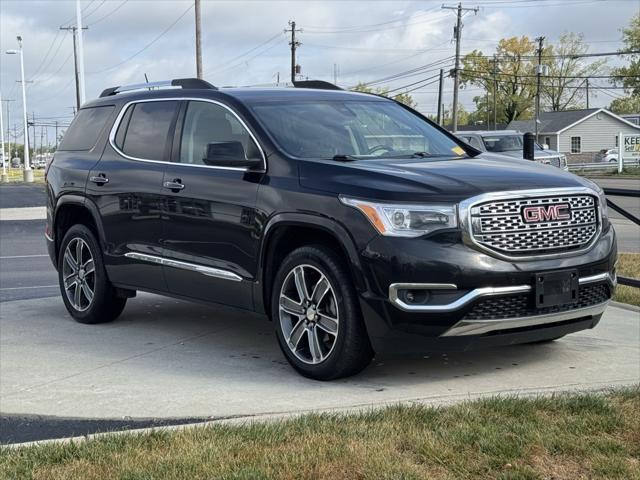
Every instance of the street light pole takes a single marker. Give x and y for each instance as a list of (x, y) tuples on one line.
[(4, 177), (28, 173)]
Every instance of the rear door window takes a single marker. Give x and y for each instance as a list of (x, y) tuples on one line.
[(146, 128), (84, 131)]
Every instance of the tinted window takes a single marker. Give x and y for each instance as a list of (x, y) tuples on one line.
[(85, 129), (368, 129), (503, 143), (206, 123), (148, 129)]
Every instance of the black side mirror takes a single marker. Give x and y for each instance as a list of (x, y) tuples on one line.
[(228, 154)]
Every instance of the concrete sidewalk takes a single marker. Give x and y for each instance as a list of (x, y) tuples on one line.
[(165, 358)]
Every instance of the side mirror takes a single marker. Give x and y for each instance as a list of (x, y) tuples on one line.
[(228, 154)]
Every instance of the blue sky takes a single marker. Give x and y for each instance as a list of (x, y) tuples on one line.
[(244, 42)]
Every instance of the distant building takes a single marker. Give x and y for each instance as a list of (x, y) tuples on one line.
[(579, 134)]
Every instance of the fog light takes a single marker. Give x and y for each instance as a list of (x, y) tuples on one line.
[(415, 296)]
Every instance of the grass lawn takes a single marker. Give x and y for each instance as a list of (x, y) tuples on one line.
[(628, 266), (561, 437), (16, 175)]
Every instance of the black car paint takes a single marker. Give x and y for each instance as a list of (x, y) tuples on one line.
[(211, 224)]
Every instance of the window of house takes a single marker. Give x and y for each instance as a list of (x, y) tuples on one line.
[(616, 140), (145, 128), (576, 144)]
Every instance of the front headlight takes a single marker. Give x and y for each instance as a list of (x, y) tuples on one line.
[(602, 200), (401, 220)]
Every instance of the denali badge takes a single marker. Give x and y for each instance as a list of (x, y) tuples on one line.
[(542, 213)]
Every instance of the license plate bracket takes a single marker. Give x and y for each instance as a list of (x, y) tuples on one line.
[(556, 288)]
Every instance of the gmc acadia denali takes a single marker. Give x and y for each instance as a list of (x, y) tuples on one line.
[(353, 222)]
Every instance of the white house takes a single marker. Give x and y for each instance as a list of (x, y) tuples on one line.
[(579, 134)]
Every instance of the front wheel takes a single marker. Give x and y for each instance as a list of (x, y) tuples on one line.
[(86, 290), (317, 316)]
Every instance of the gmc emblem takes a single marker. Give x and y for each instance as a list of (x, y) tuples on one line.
[(545, 213)]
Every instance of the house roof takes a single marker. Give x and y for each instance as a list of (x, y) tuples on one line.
[(556, 122)]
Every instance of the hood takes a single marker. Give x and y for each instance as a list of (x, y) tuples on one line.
[(449, 179)]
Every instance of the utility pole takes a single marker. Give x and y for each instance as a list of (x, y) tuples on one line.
[(80, 52), (587, 85), (294, 44), (495, 93), (198, 41), (75, 62), (439, 117), (335, 73), (540, 41), (56, 135), (456, 71)]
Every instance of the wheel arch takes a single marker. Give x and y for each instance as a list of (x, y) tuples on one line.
[(71, 210), (286, 232)]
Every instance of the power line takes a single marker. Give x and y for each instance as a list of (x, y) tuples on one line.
[(164, 32), (251, 50), (108, 14)]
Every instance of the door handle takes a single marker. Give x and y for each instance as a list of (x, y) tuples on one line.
[(99, 179), (175, 185)]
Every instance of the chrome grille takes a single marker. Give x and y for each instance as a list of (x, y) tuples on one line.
[(500, 226)]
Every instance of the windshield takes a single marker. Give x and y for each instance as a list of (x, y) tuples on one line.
[(503, 143), (318, 129)]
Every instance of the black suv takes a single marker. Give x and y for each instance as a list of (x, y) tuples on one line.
[(352, 221)]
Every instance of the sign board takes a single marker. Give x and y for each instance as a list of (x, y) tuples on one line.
[(631, 146)]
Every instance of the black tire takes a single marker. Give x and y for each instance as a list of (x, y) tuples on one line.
[(351, 349), (105, 305)]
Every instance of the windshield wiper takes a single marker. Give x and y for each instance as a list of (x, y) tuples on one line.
[(345, 158)]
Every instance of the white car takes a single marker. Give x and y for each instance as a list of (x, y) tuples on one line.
[(606, 156)]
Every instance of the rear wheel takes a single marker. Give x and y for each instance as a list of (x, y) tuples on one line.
[(317, 316), (86, 290)]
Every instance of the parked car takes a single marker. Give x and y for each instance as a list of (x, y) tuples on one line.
[(510, 143), (352, 221), (607, 156), (16, 162)]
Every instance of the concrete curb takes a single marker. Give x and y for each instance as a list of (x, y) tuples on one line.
[(625, 306), (354, 409), (24, 213)]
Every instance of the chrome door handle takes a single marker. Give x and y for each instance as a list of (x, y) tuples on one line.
[(174, 185), (99, 179)]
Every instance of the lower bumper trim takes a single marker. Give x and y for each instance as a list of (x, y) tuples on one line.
[(480, 327)]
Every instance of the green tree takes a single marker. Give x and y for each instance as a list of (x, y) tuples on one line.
[(513, 64), (629, 75), (560, 91), (399, 97)]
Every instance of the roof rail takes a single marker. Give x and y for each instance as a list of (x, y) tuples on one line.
[(193, 83), (316, 85)]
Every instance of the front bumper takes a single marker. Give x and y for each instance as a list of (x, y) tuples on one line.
[(475, 299)]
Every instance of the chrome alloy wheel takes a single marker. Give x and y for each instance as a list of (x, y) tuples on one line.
[(308, 316), (79, 274)]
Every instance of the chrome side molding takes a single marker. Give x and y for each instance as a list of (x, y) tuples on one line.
[(168, 262)]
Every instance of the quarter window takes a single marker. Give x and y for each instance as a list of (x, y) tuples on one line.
[(207, 123), (576, 144), (85, 129), (145, 129)]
